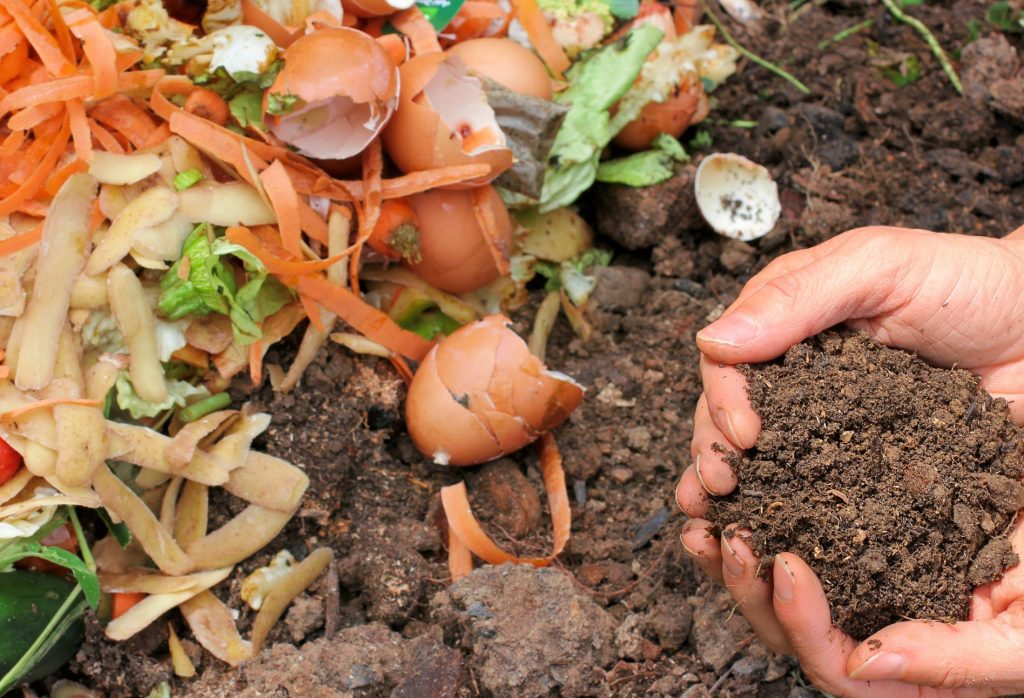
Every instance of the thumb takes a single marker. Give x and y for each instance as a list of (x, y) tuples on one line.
[(852, 281), (980, 654)]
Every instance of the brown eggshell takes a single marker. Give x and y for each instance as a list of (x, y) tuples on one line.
[(454, 422), (508, 63), (454, 255), (434, 411), (417, 138), (337, 61), (672, 117)]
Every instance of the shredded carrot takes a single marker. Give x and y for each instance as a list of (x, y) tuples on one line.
[(482, 209), (536, 25), (33, 116), (122, 601), (105, 138), (157, 136), (169, 85), (464, 525), (11, 415), (13, 62), (208, 105), (44, 43), (60, 28), (217, 141), (460, 558), (12, 143), (393, 214), (285, 201), (74, 87), (373, 166), (96, 218), (125, 117), (364, 317), (20, 242), (418, 28), (98, 48), (274, 263), (57, 179), (312, 309), (405, 185), (256, 362), (80, 133), (34, 182)]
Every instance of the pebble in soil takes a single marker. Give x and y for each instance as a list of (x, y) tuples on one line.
[(896, 481)]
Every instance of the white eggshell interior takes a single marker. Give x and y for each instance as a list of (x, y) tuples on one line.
[(460, 101), (335, 128), (737, 197)]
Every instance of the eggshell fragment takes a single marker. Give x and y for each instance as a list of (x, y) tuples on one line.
[(509, 64), (480, 394), (673, 116), (340, 110), (376, 8), (443, 119), (737, 197), (454, 255)]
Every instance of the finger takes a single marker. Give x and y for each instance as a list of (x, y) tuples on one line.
[(742, 572), (803, 612), (702, 547), (981, 654), (1003, 381), (728, 404), (851, 281), (691, 496), (713, 472)]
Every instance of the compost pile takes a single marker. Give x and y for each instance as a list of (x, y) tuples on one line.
[(894, 480)]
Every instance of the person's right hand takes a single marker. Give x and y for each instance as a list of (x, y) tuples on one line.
[(955, 300)]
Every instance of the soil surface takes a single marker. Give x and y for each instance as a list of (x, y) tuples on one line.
[(894, 480), (858, 150)]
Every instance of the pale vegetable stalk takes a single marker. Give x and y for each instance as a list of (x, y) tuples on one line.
[(131, 309)]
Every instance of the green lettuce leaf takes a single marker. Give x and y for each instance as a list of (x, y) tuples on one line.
[(210, 285), (178, 393), (595, 85), (644, 169)]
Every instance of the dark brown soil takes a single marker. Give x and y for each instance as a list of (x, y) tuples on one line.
[(894, 480), (858, 150)]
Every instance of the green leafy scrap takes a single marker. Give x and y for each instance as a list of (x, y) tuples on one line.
[(646, 168), (243, 90), (210, 285), (278, 104), (1005, 17), (187, 178)]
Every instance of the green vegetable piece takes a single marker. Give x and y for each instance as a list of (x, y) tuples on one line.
[(188, 178), (408, 305), (122, 534), (646, 168), (198, 410), (278, 104), (247, 108), (624, 9), (430, 324), (28, 603), (595, 85)]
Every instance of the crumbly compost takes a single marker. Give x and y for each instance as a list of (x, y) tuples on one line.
[(896, 481)]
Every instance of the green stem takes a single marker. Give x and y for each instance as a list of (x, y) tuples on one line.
[(25, 663), (845, 34), (752, 57), (929, 38), (204, 407), (83, 544)]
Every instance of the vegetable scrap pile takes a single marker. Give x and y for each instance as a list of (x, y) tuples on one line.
[(180, 190)]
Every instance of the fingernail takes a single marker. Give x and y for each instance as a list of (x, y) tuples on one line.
[(732, 330), (722, 416), (733, 564), (682, 542), (700, 478), (785, 583), (880, 667)]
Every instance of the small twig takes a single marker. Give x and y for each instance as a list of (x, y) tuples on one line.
[(929, 38), (753, 57), (845, 34), (332, 605)]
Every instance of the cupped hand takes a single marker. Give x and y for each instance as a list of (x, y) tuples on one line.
[(955, 300)]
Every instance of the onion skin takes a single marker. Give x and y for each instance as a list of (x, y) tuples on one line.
[(480, 394), (417, 139), (509, 64), (454, 255)]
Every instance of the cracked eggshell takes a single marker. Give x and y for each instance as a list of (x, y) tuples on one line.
[(339, 111), (443, 119), (376, 8), (480, 394), (673, 116), (737, 197), (454, 255), (509, 64)]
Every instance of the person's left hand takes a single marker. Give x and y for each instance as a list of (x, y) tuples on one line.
[(983, 656)]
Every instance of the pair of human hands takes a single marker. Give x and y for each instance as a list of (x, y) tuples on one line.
[(955, 301)]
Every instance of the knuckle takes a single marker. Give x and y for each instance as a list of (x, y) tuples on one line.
[(786, 287), (951, 674)]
